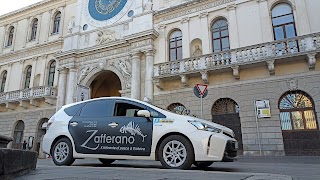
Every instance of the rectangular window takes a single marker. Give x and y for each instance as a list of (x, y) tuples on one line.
[(278, 32), (297, 120), (285, 121), (311, 122)]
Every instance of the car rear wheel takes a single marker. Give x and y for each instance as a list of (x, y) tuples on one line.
[(203, 164), (62, 153), (106, 162), (176, 152)]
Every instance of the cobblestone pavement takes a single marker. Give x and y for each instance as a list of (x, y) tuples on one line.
[(246, 168)]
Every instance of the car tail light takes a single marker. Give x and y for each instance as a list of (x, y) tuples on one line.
[(51, 120)]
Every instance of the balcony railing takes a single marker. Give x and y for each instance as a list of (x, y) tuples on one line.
[(297, 46), (28, 94)]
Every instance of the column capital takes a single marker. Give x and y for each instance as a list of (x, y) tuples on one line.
[(203, 15), (231, 7), (150, 52), (261, 0), (161, 26), (136, 55), (63, 70), (185, 20)]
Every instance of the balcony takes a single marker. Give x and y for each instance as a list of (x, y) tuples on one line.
[(27, 98), (266, 53)]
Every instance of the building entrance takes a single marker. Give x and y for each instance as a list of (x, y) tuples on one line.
[(106, 84)]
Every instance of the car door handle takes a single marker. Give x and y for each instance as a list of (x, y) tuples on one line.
[(113, 125), (73, 124)]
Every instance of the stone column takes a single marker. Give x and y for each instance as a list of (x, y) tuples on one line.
[(71, 85), (135, 78), (265, 20), (185, 38), (149, 74), (62, 87), (205, 33), (233, 27)]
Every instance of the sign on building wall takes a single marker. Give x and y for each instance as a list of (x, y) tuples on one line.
[(83, 93), (263, 108)]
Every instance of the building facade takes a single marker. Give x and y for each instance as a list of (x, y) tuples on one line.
[(258, 58)]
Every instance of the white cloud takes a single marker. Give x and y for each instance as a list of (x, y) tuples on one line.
[(7, 6)]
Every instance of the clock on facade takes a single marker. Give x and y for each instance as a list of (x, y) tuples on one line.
[(105, 12)]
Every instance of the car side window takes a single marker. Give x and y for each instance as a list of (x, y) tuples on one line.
[(72, 110), (95, 109), (128, 110)]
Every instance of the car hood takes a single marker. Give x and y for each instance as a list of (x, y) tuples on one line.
[(190, 118)]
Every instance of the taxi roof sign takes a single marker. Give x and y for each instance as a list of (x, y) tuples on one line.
[(202, 88)]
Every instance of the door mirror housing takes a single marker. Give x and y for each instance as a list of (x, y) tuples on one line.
[(144, 113)]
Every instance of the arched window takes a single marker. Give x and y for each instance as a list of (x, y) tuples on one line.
[(283, 22), (175, 45), (52, 70), (56, 23), (3, 81), (220, 35), (225, 106), (28, 77), (297, 111), (178, 108), (34, 29), (18, 135), (10, 36)]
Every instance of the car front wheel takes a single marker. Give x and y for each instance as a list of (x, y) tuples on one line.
[(176, 152), (62, 154)]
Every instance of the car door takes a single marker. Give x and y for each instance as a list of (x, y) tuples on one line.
[(89, 126), (129, 134)]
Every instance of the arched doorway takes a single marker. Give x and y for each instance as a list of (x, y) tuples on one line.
[(18, 135), (178, 108), (106, 84), (41, 131), (225, 111), (300, 130)]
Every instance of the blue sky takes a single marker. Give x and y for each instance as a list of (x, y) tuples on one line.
[(7, 6)]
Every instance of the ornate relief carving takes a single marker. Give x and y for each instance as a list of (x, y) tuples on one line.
[(71, 25), (205, 77), (236, 72), (312, 61), (148, 6), (271, 67), (184, 80), (106, 36), (84, 72), (124, 67), (292, 84)]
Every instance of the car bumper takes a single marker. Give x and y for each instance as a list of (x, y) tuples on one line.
[(47, 142), (213, 146)]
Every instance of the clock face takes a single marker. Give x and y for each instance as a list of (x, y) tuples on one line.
[(101, 13), (102, 10)]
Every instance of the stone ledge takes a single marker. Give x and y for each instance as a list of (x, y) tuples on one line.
[(15, 162)]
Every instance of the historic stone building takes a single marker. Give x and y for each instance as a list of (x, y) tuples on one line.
[(258, 57)]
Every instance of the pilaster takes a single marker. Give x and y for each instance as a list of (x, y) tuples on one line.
[(185, 38), (233, 27)]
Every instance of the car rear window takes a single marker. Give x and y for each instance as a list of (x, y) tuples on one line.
[(71, 111)]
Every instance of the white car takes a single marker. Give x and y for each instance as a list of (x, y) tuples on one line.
[(122, 128)]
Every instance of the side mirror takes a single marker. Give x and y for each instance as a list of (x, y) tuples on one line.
[(144, 113)]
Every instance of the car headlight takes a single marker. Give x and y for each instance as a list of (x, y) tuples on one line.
[(205, 127)]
